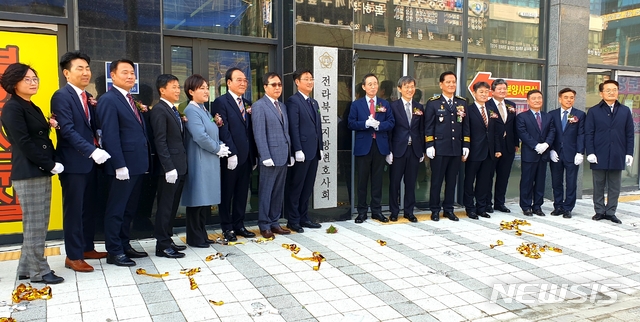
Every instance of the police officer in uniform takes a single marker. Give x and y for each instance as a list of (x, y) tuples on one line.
[(447, 140)]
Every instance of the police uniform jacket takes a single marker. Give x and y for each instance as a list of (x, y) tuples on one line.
[(447, 128)]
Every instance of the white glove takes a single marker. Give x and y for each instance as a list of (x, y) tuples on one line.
[(431, 152), (628, 160), (100, 156), (541, 147), (292, 160), (171, 176), (122, 173), (232, 162), (268, 163), (224, 151), (371, 122), (57, 168), (578, 159), (389, 158), (592, 158), (321, 157), (465, 152), (421, 159), (299, 156), (554, 156)]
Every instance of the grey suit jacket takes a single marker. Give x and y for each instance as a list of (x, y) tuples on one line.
[(271, 131)]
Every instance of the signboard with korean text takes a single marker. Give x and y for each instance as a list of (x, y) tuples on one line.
[(517, 88), (325, 91), (136, 87)]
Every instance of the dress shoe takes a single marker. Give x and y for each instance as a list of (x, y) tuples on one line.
[(244, 233), (78, 265), (393, 217), (451, 215), (132, 253), (177, 248), (209, 241), (379, 217), (598, 217), (50, 278), (120, 260), (295, 227), (203, 245), (279, 230), (472, 215), (614, 219), (489, 209), (484, 215), (502, 208), (527, 212), (229, 235), (566, 214), (23, 277), (360, 219), (169, 253), (411, 218), (267, 233), (539, 212), (435, 216), (310, 224), (556, 212), (93, 254)]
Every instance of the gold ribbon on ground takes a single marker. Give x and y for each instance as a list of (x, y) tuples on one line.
[(215, 256), (315, 256), (292, 247), (7, 320), (382, 242), (28, 293), (515, 225), (262, 240), (532, 250), (142, 271), (498, 243), (216, 303), (190, 272), (227, 243)]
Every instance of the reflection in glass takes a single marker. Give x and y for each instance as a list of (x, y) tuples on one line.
[(40, 7), (614, 36), (331, 19), (233, 17), (182, 65), (253, 65)]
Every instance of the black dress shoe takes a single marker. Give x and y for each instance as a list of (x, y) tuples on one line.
[(484, 215), (527, 212), (203, 245), (177, 248), (614, 219), (132, 253), (244, 233), (411, 218), (502, 208), (229, 235), (538, 212), (379, 217), (120, 260), (169, 253), (209, 241), (489, 209), (393, 217), (472, 215), (23, 277), (360, 219), (566, 214), (451, 215), (50, 278), (296, 228), (598, 217), (310, 224), (557, 212), (435, 216)]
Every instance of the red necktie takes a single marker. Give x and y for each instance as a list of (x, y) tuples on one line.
[(86, 113), (372, 111), (241, 108), (133, 106), (484, 117)]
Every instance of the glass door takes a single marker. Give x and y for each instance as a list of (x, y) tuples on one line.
[(629, 95), (595, 77)]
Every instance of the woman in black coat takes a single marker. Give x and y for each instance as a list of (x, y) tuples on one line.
[(32, 166)]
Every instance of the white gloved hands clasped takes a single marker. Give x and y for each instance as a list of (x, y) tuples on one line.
[(541, 147), (171, 176), (122, 173), (224, 151), (57, 168), (100, 156), (554, 156), (372, 122)]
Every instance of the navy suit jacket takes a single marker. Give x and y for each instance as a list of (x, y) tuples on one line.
[(530, 135), (609, 135), (76, 134), (236, 132), (402, 129), (570, 141), (304, 126), (123, 137), (510, 138), (359, 114), (485, 141)]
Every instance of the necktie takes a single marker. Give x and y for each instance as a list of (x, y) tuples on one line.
[(133, 106), (407, 107), (484, 117), (564, 120), (539, 121), (612, 109), (177, 114), (241, 106), (372, 111), (85, 106), (276, 103), (313, 112), (503, 113), (450, 103)]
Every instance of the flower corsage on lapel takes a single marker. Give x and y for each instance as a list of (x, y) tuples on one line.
[(247, 109), (218, 120), (53, 124), (141, 107), (380, 109), (493, 114), (511, 109), (572, 118), (460, 113), (417, 111), (92, 101)]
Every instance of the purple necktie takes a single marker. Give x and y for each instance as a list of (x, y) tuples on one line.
[(539, 121)]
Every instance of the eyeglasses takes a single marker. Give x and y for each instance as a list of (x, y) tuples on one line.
[(307, 80), (33, 80), (241, 80), (275, 84), (609, 91)]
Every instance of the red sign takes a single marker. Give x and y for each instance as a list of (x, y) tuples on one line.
[(517, 88)]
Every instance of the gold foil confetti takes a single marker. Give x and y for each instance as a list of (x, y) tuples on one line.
[(28, 293), (262, 240), (227, 243), (292, 247), (498, 243), (532, 250), (215, 256), (190, 272), (142, 271), (382, 242), (515, 225), (216, 303), (7, 320), (192, 283)]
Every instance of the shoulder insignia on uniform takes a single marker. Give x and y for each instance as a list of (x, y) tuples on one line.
[(428, 138), (467, 139), (460, 97), (433, 98)]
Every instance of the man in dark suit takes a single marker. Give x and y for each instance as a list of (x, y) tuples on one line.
[(371, 118), (447, 140), (509, 142), (609, 144), (306, 139), (235, 171), (484, 150), (168, 134), (271, 132), (407, 149), (567, 153), (537, 132), (78, 150), (124, 137)]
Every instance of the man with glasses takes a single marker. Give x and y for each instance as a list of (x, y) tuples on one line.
[(609, 145), (235, 171), (306, 139), (271, 132)]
